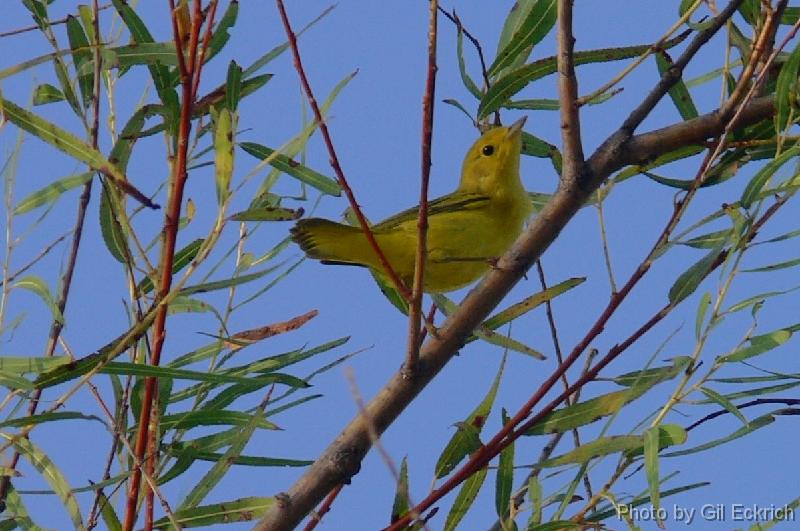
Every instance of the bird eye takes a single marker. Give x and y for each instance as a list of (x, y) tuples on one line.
[(487, 150)]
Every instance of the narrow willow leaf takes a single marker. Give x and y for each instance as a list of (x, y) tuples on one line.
[(205, 287), (757, 299), (46, 93), (556, 525), (233, 86), (710, 240), (107, 512), (786, 91), (574, 416), (529, 303), (761, 178), (113, 236), (13, 381), (268, 214), (466, 440), (651, 470), (38, 286), (81, 54), (678, 154), (519, 12), (702, 309), (462, 67), (183, 257), (33, 420), (65, 141), (52, 192), (401, 505), (251, 460), (654, 375), (514, 80), (755, 424), (28, 365), (504, 483), (774, 267), (140, 369), (223, 152), (725, 403), (535, 495), (241, 510), (51, 473), (193, 419), (530, 31), (293, 168), (678, 93), (689, 280), (15, 506), (465, 498), (145, 53), (758, 345)]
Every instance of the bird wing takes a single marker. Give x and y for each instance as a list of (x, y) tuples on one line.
[(446, 203)]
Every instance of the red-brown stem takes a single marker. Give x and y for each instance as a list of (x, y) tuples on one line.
[(324, 508), (170, 234), (334, 159), (415, 307)]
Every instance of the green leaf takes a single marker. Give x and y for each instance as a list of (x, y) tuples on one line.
[(400, 506), (225, 128), (81, 55), (465, 498), (13, 381), (113, 235), (758, 345), (268, 214), (786, 92), (725, 403), (38, 286), (654, 375), (582, 413), (33, 420), (678, 93), (233, 86), (702, 309), (206, 287), (51, 192), (677, 154), (774, 267), (293, 168), (761, 178), (51, 473), (651, 469), (529, 303), (219, 417), (689, 280), (755, 424), (710, 240), (467, 438), (241, 510), (462, 67), (47, 93), (504, 482), (538, 22)]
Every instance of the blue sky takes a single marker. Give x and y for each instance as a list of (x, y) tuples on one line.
[(375, 124)]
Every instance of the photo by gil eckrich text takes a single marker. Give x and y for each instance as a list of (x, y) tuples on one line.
[(708, 512)]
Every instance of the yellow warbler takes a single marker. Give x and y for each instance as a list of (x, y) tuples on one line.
[(467, 229)]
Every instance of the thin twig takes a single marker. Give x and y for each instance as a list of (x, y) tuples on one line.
[(34, 27), (334, 159), (475, 42), (415, 306), (317, 516)]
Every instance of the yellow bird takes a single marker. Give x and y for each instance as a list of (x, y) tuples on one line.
[(467, 229)]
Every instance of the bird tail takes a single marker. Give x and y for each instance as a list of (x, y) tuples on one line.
[(331, 242)]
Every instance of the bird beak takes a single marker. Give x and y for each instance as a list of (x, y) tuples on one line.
[(516, 127)]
